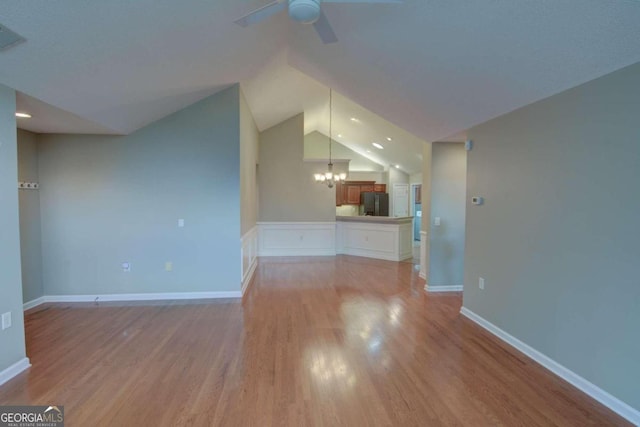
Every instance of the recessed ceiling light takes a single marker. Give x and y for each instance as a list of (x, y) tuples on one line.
[(397, 166), (339, 135), (353, 119), (23, 115), (368, 151), (389, 139), (378, 146)]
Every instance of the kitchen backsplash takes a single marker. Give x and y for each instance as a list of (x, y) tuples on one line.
[(348, 210)]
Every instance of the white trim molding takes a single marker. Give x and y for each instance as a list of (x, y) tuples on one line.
[(612, 402), (296, 239), (138, 297), (248, 256), (423, 255), (33, 303), (15, 369), (453, 288)]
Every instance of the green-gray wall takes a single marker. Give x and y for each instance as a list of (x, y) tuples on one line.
[(446, 242), (249, 138), (558, 238), (12, 347), (110, 199), (30, 243), (288, 191)]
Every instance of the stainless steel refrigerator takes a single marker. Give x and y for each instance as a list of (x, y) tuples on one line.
[(375, 204)]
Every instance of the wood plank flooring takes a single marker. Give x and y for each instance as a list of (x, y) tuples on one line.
[(335, 341)]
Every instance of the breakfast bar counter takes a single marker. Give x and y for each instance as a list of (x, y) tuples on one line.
[(379, 237)]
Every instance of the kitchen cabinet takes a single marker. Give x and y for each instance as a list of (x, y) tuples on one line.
[(353, 194), (348, 192), (339, 194)]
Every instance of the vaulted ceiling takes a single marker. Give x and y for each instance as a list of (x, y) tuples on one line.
[(432, 68)]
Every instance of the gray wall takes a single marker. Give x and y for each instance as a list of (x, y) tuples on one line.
[(558, 239), (288, 191), (12, 347), (316, 146), (448, 198), (249, 138), (110, 199), (30, 243)]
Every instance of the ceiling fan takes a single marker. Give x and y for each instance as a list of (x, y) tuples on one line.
[(304, 11)]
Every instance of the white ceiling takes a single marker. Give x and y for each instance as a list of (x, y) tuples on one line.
[(280, 91), (434, 68), (49, 119)]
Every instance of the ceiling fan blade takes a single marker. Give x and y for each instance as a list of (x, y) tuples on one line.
[(263, 13), (324, 30), (362, 1)]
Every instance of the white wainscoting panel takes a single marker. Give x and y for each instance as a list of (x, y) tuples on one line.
[(424, 242), (249, 255), (383, 241), (296, 238)]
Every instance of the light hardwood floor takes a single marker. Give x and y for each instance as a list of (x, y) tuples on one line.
[(336, 341)]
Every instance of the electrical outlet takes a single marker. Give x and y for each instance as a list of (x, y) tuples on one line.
[(180, 223), (168, 266), (6, 320), (481, 283), (126, 267)]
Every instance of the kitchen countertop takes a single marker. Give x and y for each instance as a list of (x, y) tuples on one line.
[(376, 219)]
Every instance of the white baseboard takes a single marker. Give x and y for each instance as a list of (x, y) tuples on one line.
[(611, 402), (453, 288), (13, 370), (33, 303), (247, 280), (137, 297)]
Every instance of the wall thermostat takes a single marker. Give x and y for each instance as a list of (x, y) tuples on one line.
[(477, 200)]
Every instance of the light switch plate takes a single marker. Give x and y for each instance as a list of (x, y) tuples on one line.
[(181, 223), (481, 283), (168, 266), (6, 320), (436, 221), (126, 267)]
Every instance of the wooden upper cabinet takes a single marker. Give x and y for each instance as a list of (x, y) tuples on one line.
[(348, 192), (339, 198), (380, 188), (353, 194)]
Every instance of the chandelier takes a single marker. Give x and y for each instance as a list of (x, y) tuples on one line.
[(329, 178)]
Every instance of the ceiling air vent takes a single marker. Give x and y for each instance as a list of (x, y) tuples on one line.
[(8, 38)]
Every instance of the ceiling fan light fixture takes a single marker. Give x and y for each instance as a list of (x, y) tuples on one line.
[(305, 11)]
